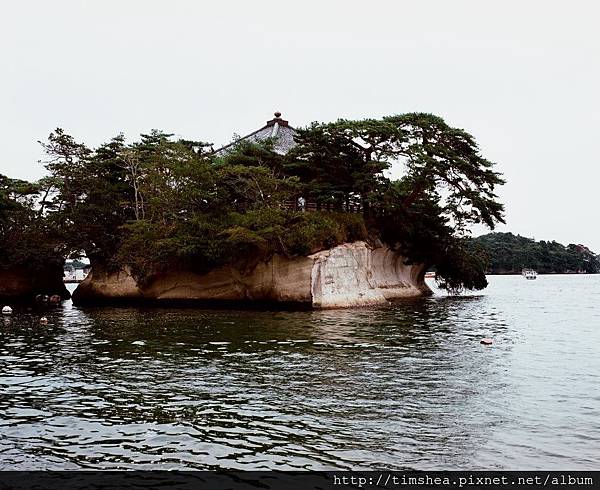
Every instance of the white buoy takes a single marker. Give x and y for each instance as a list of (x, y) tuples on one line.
[(7, 310), (44, 320)]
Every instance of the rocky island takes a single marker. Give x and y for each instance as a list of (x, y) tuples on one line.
[(306, 216)]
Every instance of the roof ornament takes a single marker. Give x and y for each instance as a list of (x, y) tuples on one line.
[(277, 129), (277, 120)]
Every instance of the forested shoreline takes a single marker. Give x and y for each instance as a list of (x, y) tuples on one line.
[(509, 254)]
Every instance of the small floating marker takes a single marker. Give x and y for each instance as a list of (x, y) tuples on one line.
[(486, 341), (44, 320), (7, 310)]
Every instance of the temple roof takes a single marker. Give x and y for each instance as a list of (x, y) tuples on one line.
[(277, 128)]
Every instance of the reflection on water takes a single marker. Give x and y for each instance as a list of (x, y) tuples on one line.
[(407, 386)]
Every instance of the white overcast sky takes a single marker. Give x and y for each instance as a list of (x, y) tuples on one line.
[(522, 76)]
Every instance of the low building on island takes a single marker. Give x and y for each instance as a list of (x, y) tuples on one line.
[(277, 130)]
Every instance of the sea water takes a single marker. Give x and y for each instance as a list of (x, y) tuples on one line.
[(406, 386)]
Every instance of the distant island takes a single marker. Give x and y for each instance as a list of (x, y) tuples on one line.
[(509, 254)]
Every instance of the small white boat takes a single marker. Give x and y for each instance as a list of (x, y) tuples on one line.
[(529, 274)]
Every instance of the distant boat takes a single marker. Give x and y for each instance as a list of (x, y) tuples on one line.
[(529, 274), (430, 275)]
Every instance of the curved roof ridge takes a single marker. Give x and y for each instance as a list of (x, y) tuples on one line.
[(277, 128)]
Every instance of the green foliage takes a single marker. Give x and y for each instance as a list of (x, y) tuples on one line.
[(440, 157), (246, 154), (462, 266), (161, 202), (343, 162), (236, 238), (334, 167), (509, 254), (86, 196), (423, 235), (309, 232), (26, 239)]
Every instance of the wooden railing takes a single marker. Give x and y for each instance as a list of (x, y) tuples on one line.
[(311, 206)]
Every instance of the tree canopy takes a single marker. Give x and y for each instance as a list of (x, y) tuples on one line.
[(509, 254), (345, 161), (27, 239)]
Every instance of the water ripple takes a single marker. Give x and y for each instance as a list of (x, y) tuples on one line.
[(407, 386)]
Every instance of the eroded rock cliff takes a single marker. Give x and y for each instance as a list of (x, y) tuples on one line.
[(352, 274)]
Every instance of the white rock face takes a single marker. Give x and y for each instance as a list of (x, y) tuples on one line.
[(352, 274)]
